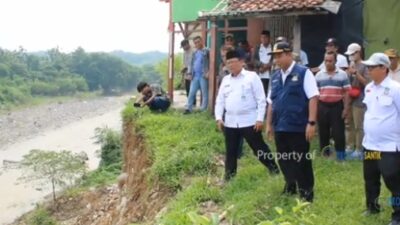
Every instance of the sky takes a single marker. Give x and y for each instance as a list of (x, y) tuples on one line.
[(96, 25)]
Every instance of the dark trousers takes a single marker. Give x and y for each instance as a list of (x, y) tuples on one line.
[(331, 124), (298, 171), (387, 165), (265, 83), (257, 144), (187, 88)]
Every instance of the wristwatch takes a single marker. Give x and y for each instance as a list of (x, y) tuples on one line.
[(312, 123)]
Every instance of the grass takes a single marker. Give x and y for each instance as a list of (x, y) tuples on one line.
[(183, 147)]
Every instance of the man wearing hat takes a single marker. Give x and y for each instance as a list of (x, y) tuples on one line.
[(394, 70), (187, 60), (302, 58), (382, 136), (359, 78), (292, 114), (241, 96), (263, 60), (341, 61)]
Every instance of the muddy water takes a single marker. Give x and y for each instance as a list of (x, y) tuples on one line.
[(17, 198)]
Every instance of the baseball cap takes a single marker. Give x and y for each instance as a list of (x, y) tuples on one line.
[(353, 48), (332, 41), (281, 39), (184, 42), (377, 59), (392, 53), (280, 48)]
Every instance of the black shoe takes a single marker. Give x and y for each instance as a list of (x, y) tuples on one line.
[(307, 196), (394, 222), (186, 112), (370, 212), (290, 189)]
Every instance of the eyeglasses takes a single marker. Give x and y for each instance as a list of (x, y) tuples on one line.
[(373, 67)]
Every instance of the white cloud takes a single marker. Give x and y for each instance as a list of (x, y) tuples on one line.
[(95, 25)]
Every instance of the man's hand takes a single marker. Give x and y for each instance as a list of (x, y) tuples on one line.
[(345, 113), (258, 127), (269, 132), (310, 132), (220, 125)]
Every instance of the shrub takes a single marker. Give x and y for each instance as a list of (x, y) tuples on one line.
[(41, 217), (42, 88), (110, 141)]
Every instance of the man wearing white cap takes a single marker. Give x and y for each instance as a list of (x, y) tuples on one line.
[(382, 136), (359, 79), (394, 70)]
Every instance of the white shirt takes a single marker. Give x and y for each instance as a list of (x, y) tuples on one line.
[(382, 118), (265, 59), (309, 85), (243, 98), (303, 58), (395, 74), (340, 63)]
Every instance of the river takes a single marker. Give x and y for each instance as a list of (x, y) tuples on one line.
[(17, 198)]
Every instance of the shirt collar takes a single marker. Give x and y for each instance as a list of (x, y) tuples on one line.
[(326, 71), (384, 83), (239, 75), (289, 70)]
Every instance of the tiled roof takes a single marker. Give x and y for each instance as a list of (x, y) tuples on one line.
[(271, 5)]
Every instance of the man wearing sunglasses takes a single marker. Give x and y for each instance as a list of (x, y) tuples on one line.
[(382, 136)]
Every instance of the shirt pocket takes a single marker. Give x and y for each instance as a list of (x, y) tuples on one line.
[(226, 92), (385, 101)]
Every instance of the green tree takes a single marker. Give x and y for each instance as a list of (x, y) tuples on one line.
[(57, 168)]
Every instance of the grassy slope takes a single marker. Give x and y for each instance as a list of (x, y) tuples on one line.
[(184, 146)]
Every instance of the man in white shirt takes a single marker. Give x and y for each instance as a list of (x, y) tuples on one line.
[(382, 136), (292, 114), (341, 61), (242, 96), (262, 59), (394, 70)]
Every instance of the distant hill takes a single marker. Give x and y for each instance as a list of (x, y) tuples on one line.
[(140, 58)]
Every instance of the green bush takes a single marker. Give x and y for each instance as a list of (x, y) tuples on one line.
[(66, 86), (41, 217), (111, 146), (44, 89), (13, 95)]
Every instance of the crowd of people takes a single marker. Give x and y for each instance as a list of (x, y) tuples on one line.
[(353, 105)]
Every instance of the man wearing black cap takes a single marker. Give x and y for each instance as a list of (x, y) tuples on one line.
[(292, 114), (341, 60), (242, 97), (262, 59)]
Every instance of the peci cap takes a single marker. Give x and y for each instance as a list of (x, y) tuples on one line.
[(280, 48), (392, 53), (232, 54), (377, 59), (353, 48)]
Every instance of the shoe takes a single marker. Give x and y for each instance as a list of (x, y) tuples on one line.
[(348, 150), (369, 212), (290, 189), (356, 155), (394, 222), (186, 112)]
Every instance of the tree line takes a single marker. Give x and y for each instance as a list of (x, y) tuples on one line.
[(24, 75)]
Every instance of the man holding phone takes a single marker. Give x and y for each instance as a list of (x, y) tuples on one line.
[(152, 96)]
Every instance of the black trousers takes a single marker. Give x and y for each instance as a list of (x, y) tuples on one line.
[(187, 88), (331, 124), (297, 169), (265, 83), (387, 165), (255, 141)]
